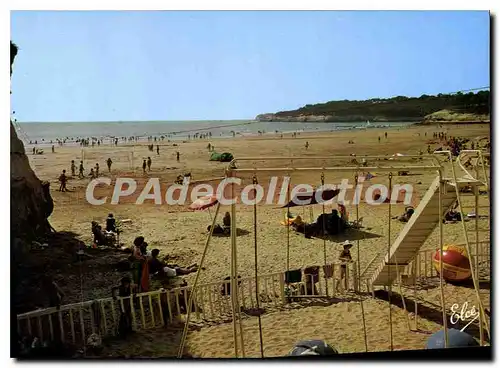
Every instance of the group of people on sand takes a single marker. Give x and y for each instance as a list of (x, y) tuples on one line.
[(146, 263), (108, 237), (93, 173), (149, 272), (333, 223)]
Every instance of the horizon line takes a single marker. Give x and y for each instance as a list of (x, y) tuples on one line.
[(130, 121)]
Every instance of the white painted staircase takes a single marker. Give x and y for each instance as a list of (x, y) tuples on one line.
[(416, 231)]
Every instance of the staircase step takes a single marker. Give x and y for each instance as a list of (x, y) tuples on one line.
[(414, 234)]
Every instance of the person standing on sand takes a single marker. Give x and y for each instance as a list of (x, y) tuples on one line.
[(344, 257), (92, 174), (307, 145), (178, 156), (125, 289), (109, 162), (53, 149), (96, 169), (81, 170), (140, 264), (385, 135), (144, 164), (73, 168), (52, 291), (157, 149), (63, 179), (149, 163)]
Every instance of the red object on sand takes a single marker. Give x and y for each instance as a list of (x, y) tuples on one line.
[(203, 203)]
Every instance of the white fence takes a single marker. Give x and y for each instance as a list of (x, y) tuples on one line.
[(212, 303)]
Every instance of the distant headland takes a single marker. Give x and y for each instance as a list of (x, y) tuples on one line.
[(426, 109)]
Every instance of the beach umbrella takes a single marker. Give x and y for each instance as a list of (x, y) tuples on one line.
[(312, 197), (204, 203)]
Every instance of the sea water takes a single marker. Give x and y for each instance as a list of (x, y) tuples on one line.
[(178, 130)]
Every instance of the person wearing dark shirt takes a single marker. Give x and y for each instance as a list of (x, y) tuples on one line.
[(63, 179), (125, 289), (111, 223), (53, 292), (157, 267), (226, 221)]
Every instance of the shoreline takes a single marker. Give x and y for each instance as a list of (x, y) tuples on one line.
[(183, 138), (451, 122)]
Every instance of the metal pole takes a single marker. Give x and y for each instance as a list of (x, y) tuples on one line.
[(443, 304), (191, 297), (233, 276), (344, 168), (466, 238), (389, 263)]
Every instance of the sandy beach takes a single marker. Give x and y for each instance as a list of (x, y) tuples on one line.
[(181, 234)]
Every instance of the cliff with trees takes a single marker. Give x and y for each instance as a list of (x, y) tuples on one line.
[(442, 107)]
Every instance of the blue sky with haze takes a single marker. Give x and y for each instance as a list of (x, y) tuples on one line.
[(117, 65)]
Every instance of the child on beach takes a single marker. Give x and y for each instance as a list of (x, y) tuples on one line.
[(63, 179), (344, 257), (73, 168), (80, 170)]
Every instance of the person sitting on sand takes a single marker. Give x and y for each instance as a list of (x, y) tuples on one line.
[(99, 237), (111, 223), (226, 221), (218, 230), (405, 217), (301, 227), (343, 213), (452, 215), (336, 224), (159, 268)]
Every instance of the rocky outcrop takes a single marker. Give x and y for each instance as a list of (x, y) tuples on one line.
[(31, 203)]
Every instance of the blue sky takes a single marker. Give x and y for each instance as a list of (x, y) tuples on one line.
[(109, 66)]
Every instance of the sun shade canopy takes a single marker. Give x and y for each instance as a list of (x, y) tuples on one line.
[(315, 197)]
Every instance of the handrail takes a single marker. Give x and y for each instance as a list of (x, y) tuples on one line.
[(437, 165)]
